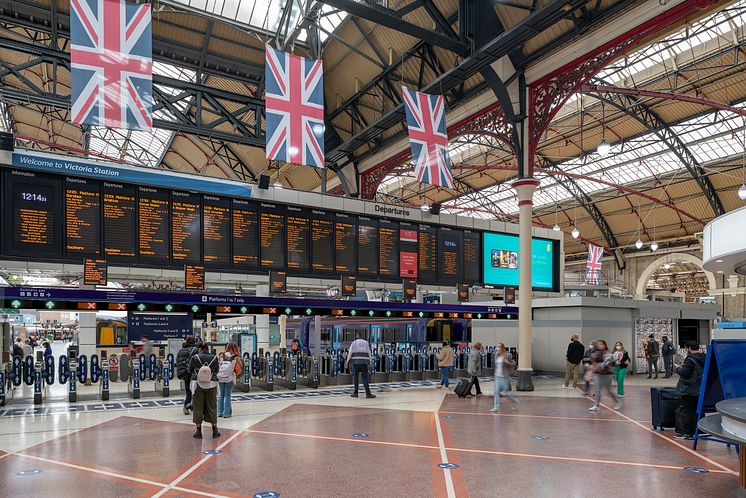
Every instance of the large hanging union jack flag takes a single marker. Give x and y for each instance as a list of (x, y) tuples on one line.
[(593, 265), (294, 98), (111, 61), (426, 121)]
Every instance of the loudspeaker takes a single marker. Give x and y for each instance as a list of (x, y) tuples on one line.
[(263, 182), (435, 208)]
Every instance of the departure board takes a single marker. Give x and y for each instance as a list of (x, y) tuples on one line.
[(450, 247), (349, 286), (345, 242), (388, 249), (427, 264), (186, 227), (120, 221), (278, 282), (272, 230), (322, 241), (407, 250), (216, 233), (299, 232), (32, 214), (472, 256), (154, 223), (194, 277), (95, 272), (245, 231), (82, 217), (367, 246)]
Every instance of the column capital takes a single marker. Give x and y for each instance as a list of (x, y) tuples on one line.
[(525, 187)]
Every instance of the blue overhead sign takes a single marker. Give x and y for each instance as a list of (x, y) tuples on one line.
[(158, 326), (128, 174)]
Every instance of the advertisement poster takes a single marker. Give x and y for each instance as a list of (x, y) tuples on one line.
[(501, 257)]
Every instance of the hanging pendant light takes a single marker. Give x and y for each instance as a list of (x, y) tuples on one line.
[(556, 227), (425, 208), (654, 246), (742, 190), (638, 244), (575, 232), (604, 147)]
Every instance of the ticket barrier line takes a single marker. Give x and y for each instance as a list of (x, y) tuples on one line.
[(243, 381), (307, 371), (286, 371), (263, 373)]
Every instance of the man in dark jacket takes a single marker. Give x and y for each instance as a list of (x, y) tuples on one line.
[(653, 352), (690, 378), (574, 356), (188, 349), (205, 398), (667, 351)]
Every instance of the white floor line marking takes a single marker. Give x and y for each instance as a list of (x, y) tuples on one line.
[(444, 457), (519, 415), (91, 469), (343, 439), (194, 467), (708, 460)]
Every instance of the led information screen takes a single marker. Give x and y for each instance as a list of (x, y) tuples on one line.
[(272, 235), (463, 292), (299, 232), (428, 243), (216, 232), (154, 223), (407, 250), (322, 241), (501, 258), (158, 326), (33, 210), (409, 289), (245, 231), (120, 221), (450, 255), (278, 282), (388, 249), (345, 242), (94, 272), (367, 246), (186, 227), (82, 216), (472, 256), (349, 286), (194, 277)]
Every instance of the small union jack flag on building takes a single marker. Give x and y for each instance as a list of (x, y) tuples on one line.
[(593, 265), (111, 64), (294, 97), (428, 137)]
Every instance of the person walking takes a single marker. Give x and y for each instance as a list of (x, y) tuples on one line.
[(474, 368), (653, 352), (188, 349), (47, 350), (18, 348), (28, 349), (445, 363), (667, 351), (603, 362), (230, 365), (504, 367), (690, 378), (588, 368), (621, 362), (359, 356), (203, 370), (574, 356)]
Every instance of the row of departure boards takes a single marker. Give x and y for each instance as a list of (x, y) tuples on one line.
[(69, 218)]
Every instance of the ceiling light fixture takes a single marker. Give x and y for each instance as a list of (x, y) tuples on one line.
[(638, 244), (654, 245), (575, 232), (425, 208), (604, 147), (556, 227), (666, 266)]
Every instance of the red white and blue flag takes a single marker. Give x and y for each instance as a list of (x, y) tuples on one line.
[(111, 64), (428, 137), (294, 96), (593, 265)]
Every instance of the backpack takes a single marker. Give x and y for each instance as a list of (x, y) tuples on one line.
[(204, 374), (17, 350), (226, 370)]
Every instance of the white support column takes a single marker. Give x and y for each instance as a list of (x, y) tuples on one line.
[(87, 333), (525, 188), (262, 321), (282, 321)]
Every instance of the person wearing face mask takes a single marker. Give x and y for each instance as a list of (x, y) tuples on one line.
[(621, 362), (603, 369)]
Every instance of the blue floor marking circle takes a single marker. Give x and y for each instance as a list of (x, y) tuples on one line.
[(360, 434), (30, 472), (448, 417), (696, 470), (212, 452), (554, 414), (448, 465), (540, 437), (266, 494)]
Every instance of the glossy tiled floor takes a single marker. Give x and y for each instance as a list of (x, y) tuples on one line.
[(407, 442)]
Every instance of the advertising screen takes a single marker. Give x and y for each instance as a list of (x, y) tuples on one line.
[(500, 260)]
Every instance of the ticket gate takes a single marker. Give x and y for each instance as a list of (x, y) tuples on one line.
[(488, 361), (344, 376), (163, 371), (137, 374), (382, 358), (417, 361), (264, 375), (326, 367), (398, 362), (431, 371), (243, 381), (308, 370), (460, 362), (286, 370), (6, 392)]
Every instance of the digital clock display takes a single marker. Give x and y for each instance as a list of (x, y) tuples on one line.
[(33, 196)]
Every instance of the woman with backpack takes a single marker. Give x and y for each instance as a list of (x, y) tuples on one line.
[(504, 367), (230, 366), (603, 369), (188, 349), (203, 370)]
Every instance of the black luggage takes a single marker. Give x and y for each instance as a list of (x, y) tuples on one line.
[(663, 404), (686, 422), (462, 388)]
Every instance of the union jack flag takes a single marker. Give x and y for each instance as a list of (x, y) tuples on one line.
[(294, 97), (111, 61), (593, 265), (426, 121)]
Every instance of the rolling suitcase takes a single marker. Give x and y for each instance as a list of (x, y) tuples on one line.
[(462, 388), (663, 404)]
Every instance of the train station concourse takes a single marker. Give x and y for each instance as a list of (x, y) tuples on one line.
[(422, 248)]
